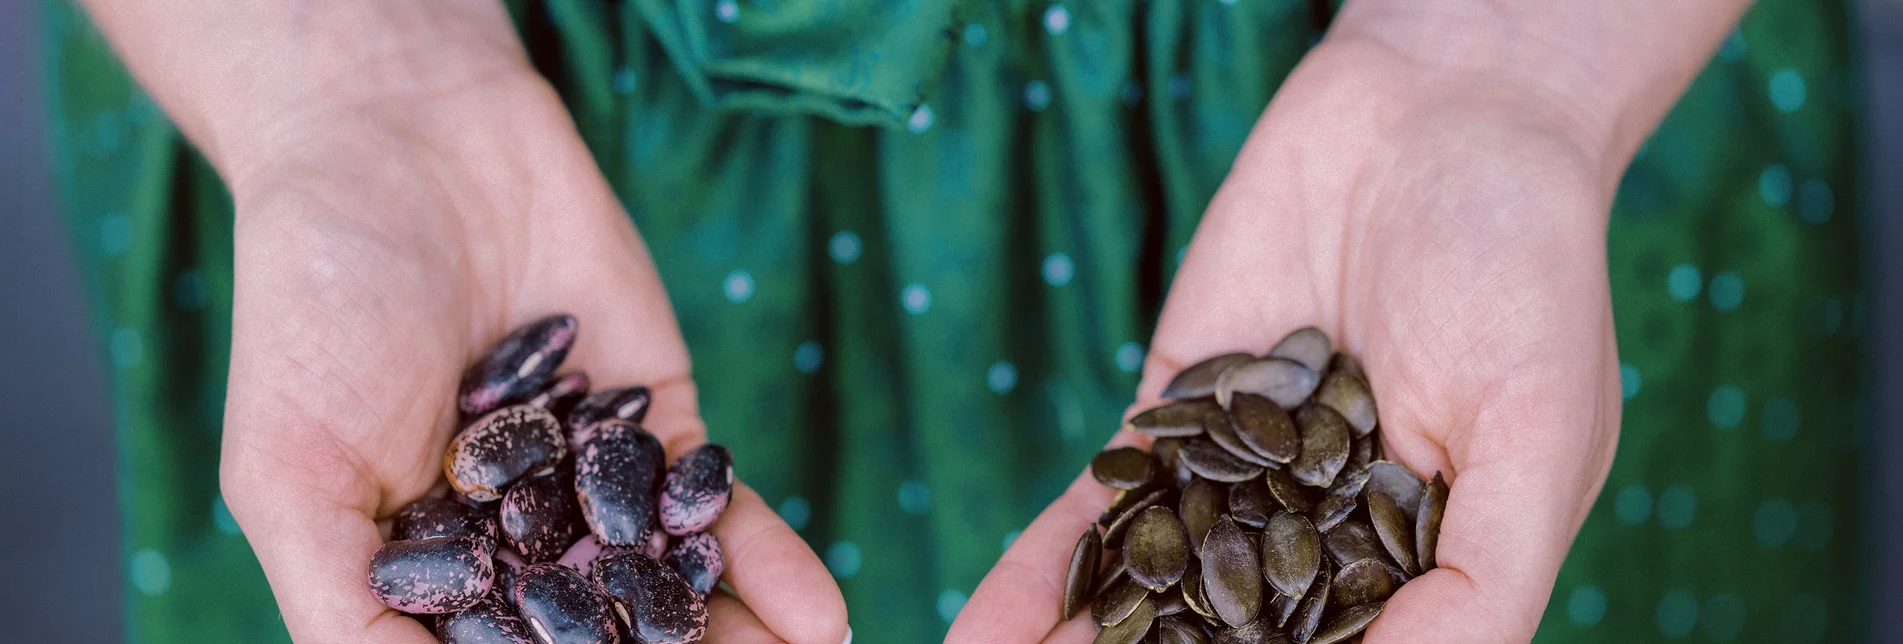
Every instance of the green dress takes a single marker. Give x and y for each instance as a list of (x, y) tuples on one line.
[(948, 226)]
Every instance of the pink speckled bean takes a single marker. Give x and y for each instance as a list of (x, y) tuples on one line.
[(517, 366), (698, 559), (697, 490), (430, 576)]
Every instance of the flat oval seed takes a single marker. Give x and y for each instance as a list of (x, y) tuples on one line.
[(1200, 379), (626, 403), (1279, 609), (1286, 382), (1202, 503), (1231, 574), (1400, 484), (1350, 395), (498, 448), (562, 394), (1348, 623), (615, 476), (1122, 468), (1250, 503), (1361, 582), (1324, 446), (1308, 614), (1353, 541), (1340, 500), (1191, 587), (517, 366), (1207, 460), (1112, 576), (1361, 451), (1264, 427), (696, 490), (1307, 345), (1222, 431), (1427, 522), (1132, 628), (1179, 630), (539, 516), (1181, 418), (1157, 549), (1259, 631), (492, 620), (1080, 576), (561, 606), (1168, 453), (656, 605), (1116, 603), (698, 559), (1169, 603), (1344, 363), (1291, 553), (1113, 535), (1283, 488), (1395, 531), (431, 576), (432, 517)]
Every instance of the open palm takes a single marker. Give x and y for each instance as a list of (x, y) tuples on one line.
[(1449, 231), (378, 257)]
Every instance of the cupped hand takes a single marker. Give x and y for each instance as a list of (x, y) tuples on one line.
[(383, 244), (1447, 228)]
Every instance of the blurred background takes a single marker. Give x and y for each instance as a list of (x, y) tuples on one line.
[(64, 568)]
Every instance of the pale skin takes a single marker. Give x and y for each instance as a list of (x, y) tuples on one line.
[(1430, 187)]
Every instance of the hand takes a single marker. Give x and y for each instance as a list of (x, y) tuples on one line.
[(1449, 230), (383, 243)]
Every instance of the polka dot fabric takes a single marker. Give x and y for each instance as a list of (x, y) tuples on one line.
[(948, 226)]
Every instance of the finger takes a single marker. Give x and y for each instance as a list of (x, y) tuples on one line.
[(780, 579), (730, 622)]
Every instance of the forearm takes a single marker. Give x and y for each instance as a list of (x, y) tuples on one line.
[(240, 77), (1615, 67)]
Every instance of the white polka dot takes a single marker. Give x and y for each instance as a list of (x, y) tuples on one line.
[(844, 247), (1787, 90), (128, 347), (915, 497), (843, 559), (115, 233), (1002, 377), (1774, 522), (1011, 538), (151, 573), (1727, 291), (1780, 419), (1725, 407), (1774, 184), (1677, 614), (1815, 202), (1179, 86), (1733, 49), (1633, 505), (975, 35), (1227, 3), (1130, 357), (624, 81), (221, 517), (1586, 605), (1677, 506), (921, 120), (808, 356), (728, 11), (949, 603), (1629, 381), (1684, 282), (915, 299), (795, 511), (1057, 20), (1058, 269), (739, 286), (188, 290), (1037, 95), (1723, 617)]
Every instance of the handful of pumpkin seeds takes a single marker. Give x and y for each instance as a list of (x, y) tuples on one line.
[(1264, 511)]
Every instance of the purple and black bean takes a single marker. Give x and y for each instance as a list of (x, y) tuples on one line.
[(563, 522)]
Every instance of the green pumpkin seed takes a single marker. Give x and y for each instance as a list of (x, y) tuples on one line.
[(1307, 345), (1110, 577), (1203, 502), (1291, 553), (1279, 608), (1182, 418), (1222, 431), (1361, 452), (1308, 614), (1401, 485), (1340, 500), (1255, 632), (1200, 379), (1350, 395), (1353, 541), (1232, 578), (1083, 568), (1113, 535), (1427, 522), (1123, 468), (1264, 427), (1250, 502), (1348, 623), (1361, 582), (1169, 603), (1168, 455), (1324, 446), (1191, 588), (1395, 531), (1132, 628), (1178, 630), (1116, 604), (1287, 492), (1215, 463), (1344, 363), (1157, 549), (1284, 381)]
